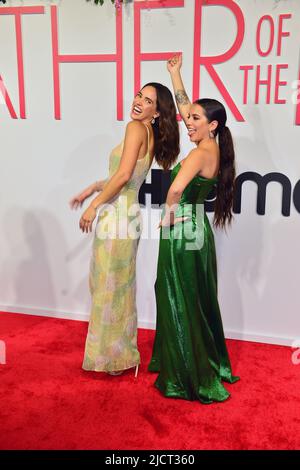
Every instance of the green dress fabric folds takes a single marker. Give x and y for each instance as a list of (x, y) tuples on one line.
[(189, 350)]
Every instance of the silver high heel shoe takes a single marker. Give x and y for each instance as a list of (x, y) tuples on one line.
[(119, 372)]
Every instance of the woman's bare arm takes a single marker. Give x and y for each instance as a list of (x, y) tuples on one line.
[(182, 100), (79, 199), (193, 164)]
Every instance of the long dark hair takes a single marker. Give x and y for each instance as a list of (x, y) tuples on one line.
[(215, 111), (165, 128)]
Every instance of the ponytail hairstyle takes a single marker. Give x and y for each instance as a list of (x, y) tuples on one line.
[(215, 111), (165, 128)]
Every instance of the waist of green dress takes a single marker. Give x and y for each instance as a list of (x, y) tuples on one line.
[(190, 210)]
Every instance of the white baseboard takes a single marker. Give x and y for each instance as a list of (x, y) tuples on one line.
[(79, 316), (259, 338), (43, 312)]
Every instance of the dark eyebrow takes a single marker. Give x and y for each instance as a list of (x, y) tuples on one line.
[(147, 97)]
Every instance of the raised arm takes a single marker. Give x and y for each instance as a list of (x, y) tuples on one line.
[(182, 100)]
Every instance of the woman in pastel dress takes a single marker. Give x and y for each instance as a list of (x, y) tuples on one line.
[(152, 133)]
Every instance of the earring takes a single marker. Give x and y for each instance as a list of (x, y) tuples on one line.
[(153, 121), (211, 135)]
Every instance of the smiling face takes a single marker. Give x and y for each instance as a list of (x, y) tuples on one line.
[(144, 106), (198, 125)]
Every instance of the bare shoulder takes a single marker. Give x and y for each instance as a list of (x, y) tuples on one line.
[(197, 154), (135, 133), (196, 160), (136, 127), (209, 148)]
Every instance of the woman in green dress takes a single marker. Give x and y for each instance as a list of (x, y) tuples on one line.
[(189, 351), (111, 342)]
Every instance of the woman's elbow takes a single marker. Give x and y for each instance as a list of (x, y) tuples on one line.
[(124, 177), (175, 191)]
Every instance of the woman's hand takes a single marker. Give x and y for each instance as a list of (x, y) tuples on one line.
[(78, 200), (174, 64), (167, 222), (86, 220)]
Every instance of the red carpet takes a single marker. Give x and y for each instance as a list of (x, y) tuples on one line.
[(49, 402)]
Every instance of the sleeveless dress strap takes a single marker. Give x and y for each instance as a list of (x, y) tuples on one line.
[(148, 132)]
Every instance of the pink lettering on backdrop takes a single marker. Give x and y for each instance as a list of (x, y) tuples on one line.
[(73, 58), (270, 70), (209, 62), (269, 19), (279, 83), (7, 99), (260, 81), (17, 12), (264, 75), (246, 68), (282, 34), (279, 67), (146, 56)]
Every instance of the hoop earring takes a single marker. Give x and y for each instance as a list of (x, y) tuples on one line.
[(211, 135)]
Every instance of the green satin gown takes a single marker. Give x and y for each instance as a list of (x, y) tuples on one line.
[(189, 350)]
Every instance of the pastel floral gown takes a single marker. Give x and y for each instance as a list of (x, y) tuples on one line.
[(111, 342)]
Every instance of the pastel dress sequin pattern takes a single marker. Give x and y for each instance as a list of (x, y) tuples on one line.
[(189, 351), (111, 342)]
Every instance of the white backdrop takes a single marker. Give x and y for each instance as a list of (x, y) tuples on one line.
[(44, 258)]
